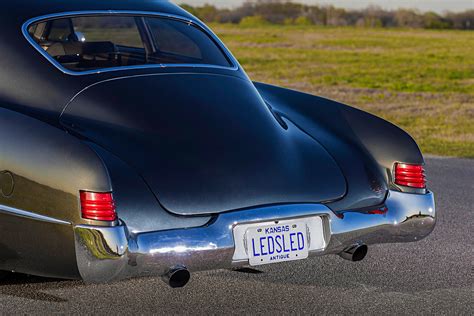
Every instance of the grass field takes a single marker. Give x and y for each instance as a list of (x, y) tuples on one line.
[(422, 80)]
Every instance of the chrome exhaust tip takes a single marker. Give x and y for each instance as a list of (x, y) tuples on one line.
[(355, 253), (177, 277)]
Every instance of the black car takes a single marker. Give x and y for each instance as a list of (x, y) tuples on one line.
[(132, 143)]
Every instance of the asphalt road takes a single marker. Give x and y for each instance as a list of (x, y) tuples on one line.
[(435, 275)]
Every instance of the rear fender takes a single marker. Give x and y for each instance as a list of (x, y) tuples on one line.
[(46, 168), (42, 170), (364, 146), (386, 142)]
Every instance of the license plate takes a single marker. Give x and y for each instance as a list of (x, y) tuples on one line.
[(277, 243)]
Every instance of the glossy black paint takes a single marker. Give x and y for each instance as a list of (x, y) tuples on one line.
[(136, 204), (364, 146), (169, 142), (43, 168), (208, 149)]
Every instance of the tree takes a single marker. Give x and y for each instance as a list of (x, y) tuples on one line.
[(335, 16), (408, 18), (462, 20), (302, 20), (431, 20), (256, 20), (207, 13)]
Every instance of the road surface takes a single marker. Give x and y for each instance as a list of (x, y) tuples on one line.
[(431, 276)]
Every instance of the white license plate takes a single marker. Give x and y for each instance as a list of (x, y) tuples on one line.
[(277, 243)]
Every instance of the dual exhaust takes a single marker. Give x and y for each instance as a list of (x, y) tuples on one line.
[(178, 276)]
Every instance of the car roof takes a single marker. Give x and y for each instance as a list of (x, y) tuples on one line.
[(23, 10)]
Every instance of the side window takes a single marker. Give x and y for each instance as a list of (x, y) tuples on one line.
[(89, 42), (179, 42), (121, 31), (39, 30), (171, 40)]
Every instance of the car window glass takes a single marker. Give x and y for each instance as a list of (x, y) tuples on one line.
[(118, 30), (84, 43), (178, 42), (59, 30), (176, 38)]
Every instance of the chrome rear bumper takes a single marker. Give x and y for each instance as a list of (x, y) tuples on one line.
[(112, 253)]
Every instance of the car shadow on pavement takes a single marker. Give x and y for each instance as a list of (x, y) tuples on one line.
[(33, 287)]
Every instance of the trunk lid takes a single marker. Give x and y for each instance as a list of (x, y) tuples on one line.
[(204, 143)]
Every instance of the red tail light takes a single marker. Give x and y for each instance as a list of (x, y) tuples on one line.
[(412, 176), (98, 206)]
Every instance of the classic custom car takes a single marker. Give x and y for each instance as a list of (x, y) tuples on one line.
[(132, 143)]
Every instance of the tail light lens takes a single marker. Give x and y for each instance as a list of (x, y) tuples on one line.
[(98, 206), (409, 175)]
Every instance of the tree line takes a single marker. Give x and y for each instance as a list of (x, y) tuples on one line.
[(257, 12)]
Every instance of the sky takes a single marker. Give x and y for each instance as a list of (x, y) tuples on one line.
[(422, 5)]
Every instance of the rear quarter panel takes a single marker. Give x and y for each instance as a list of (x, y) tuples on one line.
[(42, 170), (365, 146)]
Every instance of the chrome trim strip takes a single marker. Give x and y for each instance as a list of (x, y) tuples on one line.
[(202, 27), (111, 253), (20, 213)]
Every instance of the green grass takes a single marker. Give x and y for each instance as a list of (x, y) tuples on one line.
[(421, 80)]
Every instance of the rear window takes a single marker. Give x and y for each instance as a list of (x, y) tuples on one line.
[(87, 43)]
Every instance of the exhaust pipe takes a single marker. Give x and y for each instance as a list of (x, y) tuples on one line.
[(355, 253), (176, 277)]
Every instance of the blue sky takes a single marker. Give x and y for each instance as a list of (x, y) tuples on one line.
[(423, 5)]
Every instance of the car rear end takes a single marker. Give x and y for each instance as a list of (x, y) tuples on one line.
[(258, 236)]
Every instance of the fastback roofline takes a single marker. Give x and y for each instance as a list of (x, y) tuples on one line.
[(235, 65)]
